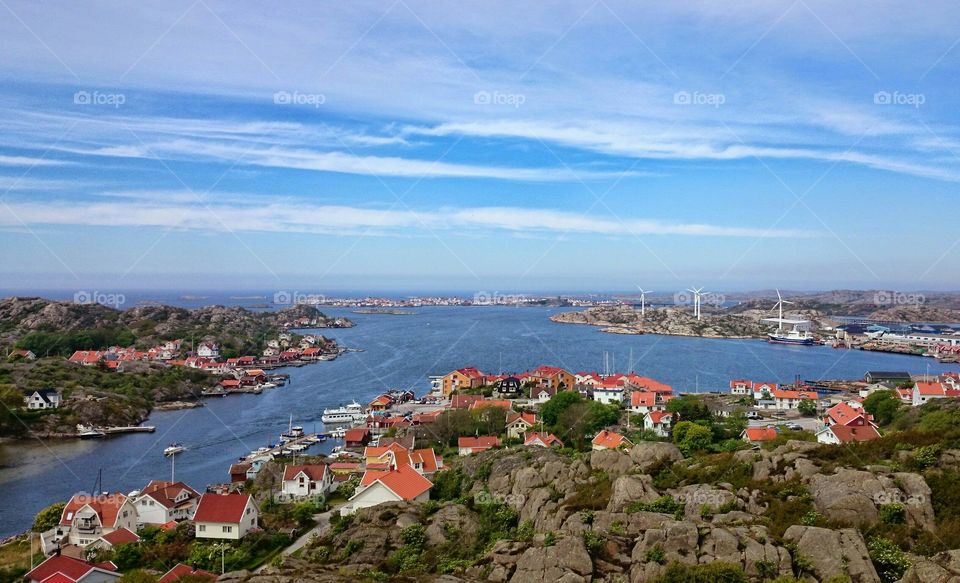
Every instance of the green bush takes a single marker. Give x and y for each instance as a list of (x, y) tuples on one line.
[(664, 504), (892, 513), (888, 559), (718, 572)]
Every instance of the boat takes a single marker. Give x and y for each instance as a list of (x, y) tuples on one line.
[(298, 447), (85, 432), (173, 449), (338, 433), (792, 336), (285, 452), (346, 414), (292, 432)]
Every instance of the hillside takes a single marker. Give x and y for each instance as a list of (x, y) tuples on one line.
[(671, 321)]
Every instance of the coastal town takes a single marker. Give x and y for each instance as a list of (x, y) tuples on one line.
[(401, 449)]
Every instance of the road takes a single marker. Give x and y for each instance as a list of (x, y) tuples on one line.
[(323, 523)]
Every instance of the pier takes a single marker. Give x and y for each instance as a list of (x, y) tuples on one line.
[(301, 444), (129, 429)]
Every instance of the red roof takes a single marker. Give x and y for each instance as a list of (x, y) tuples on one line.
[(610, 440), (547, 439), (844, 414), (221, 508), (930, 389), (349, 466), (643, 399), (315, 472), (71, 568), (502, 403), (356, 435), (181, 570), (482, 442), (528, 418), (471, 372), (785, 394), (760, 433), (166, 492), (404, 481), (463, 401), (107, 507), (657, 416), (120, 536), (852, 433)]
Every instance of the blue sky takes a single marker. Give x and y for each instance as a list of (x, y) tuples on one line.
[(478, 145)]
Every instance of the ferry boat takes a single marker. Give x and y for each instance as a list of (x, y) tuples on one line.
[(173, 449), (347, 414), (792, 336)]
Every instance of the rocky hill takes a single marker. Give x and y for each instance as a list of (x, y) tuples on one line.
[(672, 321), (795, 512)]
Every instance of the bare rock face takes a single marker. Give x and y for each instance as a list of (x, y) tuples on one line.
[(566, 562), (833, 552), (631, 488), (450, 518), (699, 497), (613, 462), (940, 568), (855, 496), (648, 454)]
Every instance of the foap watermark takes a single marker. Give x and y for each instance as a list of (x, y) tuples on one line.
[(514, 100), (112, 299), (296, 298), (893, 298), (298, 98), (99, 98), (894, 496), (512, 500), (700, 498), (286, 498), (485, 298), (898, 98), (699, 98)]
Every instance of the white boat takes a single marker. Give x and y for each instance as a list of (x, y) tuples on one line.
[(338, 433), (792, 336), (173, 449), (85, 432), (346, 414), (298, 447)]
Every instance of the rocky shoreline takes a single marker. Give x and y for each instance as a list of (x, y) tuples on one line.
[(666, 321)]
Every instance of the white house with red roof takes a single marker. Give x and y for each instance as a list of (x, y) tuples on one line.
[(925, 391), (472, 445), (758, 434), (162, 501), (610, 390), (609, 440), (393, 485), (540, 439), (741, 387), (225, 516), (541, 394), (64, 569), (845, 434), (848, 413), (120, 536), (86, 518), (787, 400), (643, 402), (208, 350), (306, 480), (764, 390), (520, 423), (659, 422)]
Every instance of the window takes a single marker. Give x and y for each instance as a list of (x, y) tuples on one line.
[(227, 529), (202, 528)]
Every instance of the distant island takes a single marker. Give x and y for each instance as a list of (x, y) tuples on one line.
[(385, 311)]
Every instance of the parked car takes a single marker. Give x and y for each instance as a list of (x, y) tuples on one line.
[(794, 427), (753, 415)]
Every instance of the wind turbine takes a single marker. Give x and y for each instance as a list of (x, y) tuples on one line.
[(779, 305), (643, 298), (696, 300)]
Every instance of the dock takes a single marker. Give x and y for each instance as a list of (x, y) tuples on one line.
[(305, 442), (129, 429)]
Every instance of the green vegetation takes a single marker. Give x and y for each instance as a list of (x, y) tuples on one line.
[(691, 437), (888, 559), (883, 405), (66, 343), (48, 518), (717, 572), (807, 407)]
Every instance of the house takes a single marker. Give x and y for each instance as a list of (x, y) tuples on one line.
[(520, 423), (844, 434), (925, 391), (86, 518), (608, 393), (609, 440), (225, 516), (764, 391), (758, 434), (41, 399), (160, 502), (120, 536), (394, 485), (481, 403), (393, 455), (643, 402), (208, 350), (472, 445), (508, 388), (381, 403), (786, 400), (239, 472), (741, 387), (356, 437), (86, 357), (462, 378), (181, 570), (23, 355), (552, 377), (848, 413), (464, 401), (64, 569), (895, 377), (541, 394), (306, 480), (659, 422), (638, 382), (535, 439)]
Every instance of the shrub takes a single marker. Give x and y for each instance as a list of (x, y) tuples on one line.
[(718, 572), (665, 504), (593, 542), (655, 554), (889, 560), (892, 513)]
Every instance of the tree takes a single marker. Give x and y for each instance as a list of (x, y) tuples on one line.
[(807, 407), (49, 517), (551, 410), (127, 556), (689, 408), (138, 576), (692, 437), (883, 405)]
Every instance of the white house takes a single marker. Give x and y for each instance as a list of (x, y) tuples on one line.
[(64, 569), (786, 400), (306, 480), (608, 395), (160, 502), (520, 423), (838, 434), (763, 391), (394, 485), (924, 391), (741, 387), (643, 402), (659, 422), (225, 516), (86, 518), (42, 399), (472, 445), (208, 350)]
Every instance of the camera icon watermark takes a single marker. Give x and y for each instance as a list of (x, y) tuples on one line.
[(699, 98), (485, 298), (514, 100), (114, 300), (894, 496), (896, 98), (893, 298), (713, 299), (683, 297), (296, 298), (114, 100), (298, 98), (513, 500)]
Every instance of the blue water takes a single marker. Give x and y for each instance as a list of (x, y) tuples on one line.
[(400, 352)]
